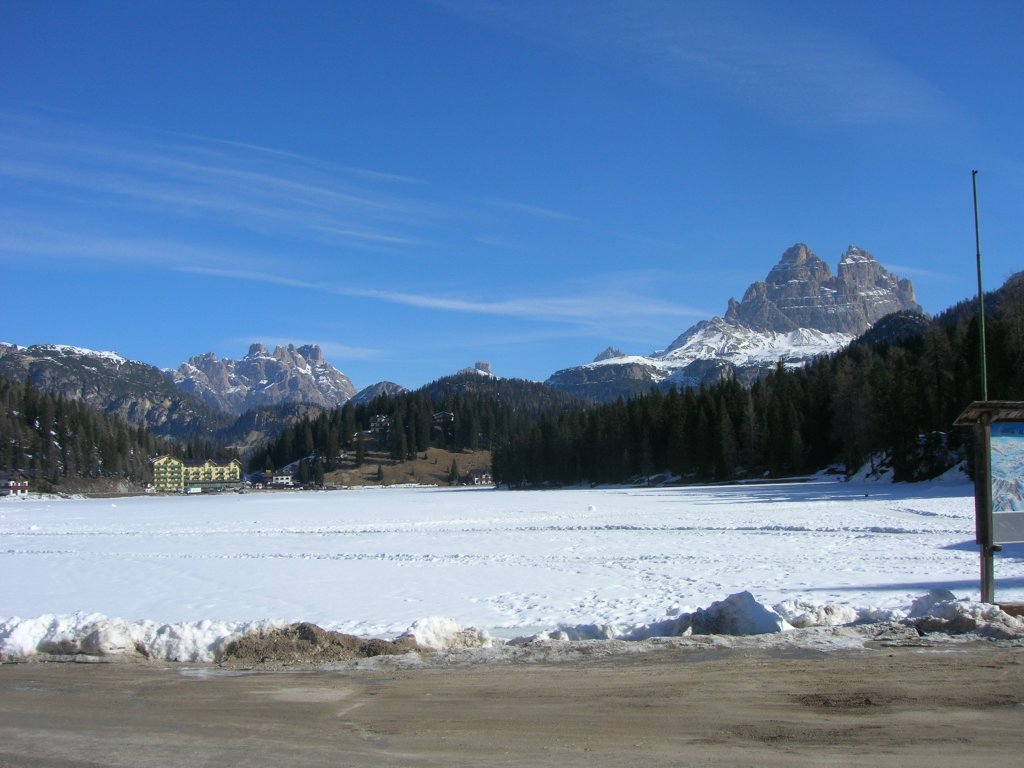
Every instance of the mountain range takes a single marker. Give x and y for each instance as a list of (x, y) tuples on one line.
[(137, 392), (260, 378), (800, 310)]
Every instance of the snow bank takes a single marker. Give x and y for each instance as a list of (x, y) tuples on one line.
[(941, 611), (803, 614), (93, 634), (566, 633), (740, 614), (442, 634)]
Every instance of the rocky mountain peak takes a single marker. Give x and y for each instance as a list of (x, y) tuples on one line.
[(797, 255), (287, 354), (798, 265), (609, 354), (798, 311), (853, 254), (290, 375), (801, 292), (312, 353)]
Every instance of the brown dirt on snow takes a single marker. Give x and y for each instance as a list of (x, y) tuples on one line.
[(308, 644)]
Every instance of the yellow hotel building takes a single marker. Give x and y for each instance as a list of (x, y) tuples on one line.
[(172, 475)]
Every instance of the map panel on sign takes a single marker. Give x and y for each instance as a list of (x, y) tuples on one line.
[(1008, 481)]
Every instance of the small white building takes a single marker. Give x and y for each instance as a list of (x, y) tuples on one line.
[(13, 486), (480, 477)]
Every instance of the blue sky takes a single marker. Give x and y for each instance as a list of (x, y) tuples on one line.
[(417, 185)]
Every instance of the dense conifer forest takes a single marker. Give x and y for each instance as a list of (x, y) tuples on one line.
[(462, 412), (58, 441), (892, 395)]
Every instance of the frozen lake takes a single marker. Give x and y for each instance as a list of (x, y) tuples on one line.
[(371, 562)]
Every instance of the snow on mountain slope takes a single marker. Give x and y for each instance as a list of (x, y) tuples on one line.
[(289, 375), (799, 311), (722, 344), (718, 339), (57, 351)]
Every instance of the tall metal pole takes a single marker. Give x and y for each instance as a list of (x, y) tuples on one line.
[(983, 469), (981, 292)]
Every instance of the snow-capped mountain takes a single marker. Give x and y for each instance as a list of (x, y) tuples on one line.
[(57, 352), (798, 312), (800, 292), (289, 375), (132, 390)]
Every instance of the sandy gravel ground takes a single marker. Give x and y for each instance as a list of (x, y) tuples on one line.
[(952, 704)]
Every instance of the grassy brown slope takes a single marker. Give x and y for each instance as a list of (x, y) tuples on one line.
[(428, 468)]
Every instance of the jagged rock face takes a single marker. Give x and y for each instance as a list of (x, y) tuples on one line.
[(800, 310), (609, 354), (289, 375), (801, 292)]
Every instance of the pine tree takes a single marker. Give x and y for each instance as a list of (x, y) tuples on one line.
[(725, 447), (348, 424), (360, 451)]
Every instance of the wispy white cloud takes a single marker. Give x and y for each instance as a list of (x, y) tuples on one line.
[(376, 237), (243, 191), (254, 276), (606, 305), (19, 239), (535, 211), (600, 308), (757, 55), (904, 270), (300, 158), (177, 187)]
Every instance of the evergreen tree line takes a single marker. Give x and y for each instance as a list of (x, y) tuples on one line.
[(52, 439), (403, 425), (896, 399), (461, 412)]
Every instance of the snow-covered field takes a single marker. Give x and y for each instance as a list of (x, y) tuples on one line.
[(372, 562)]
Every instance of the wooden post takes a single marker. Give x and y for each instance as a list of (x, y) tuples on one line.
[(983, 506)]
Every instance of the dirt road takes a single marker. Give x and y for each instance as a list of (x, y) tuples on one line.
[(945, 706)]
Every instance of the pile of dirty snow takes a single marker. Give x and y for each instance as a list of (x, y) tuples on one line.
[(740, 614), (92, 634)]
